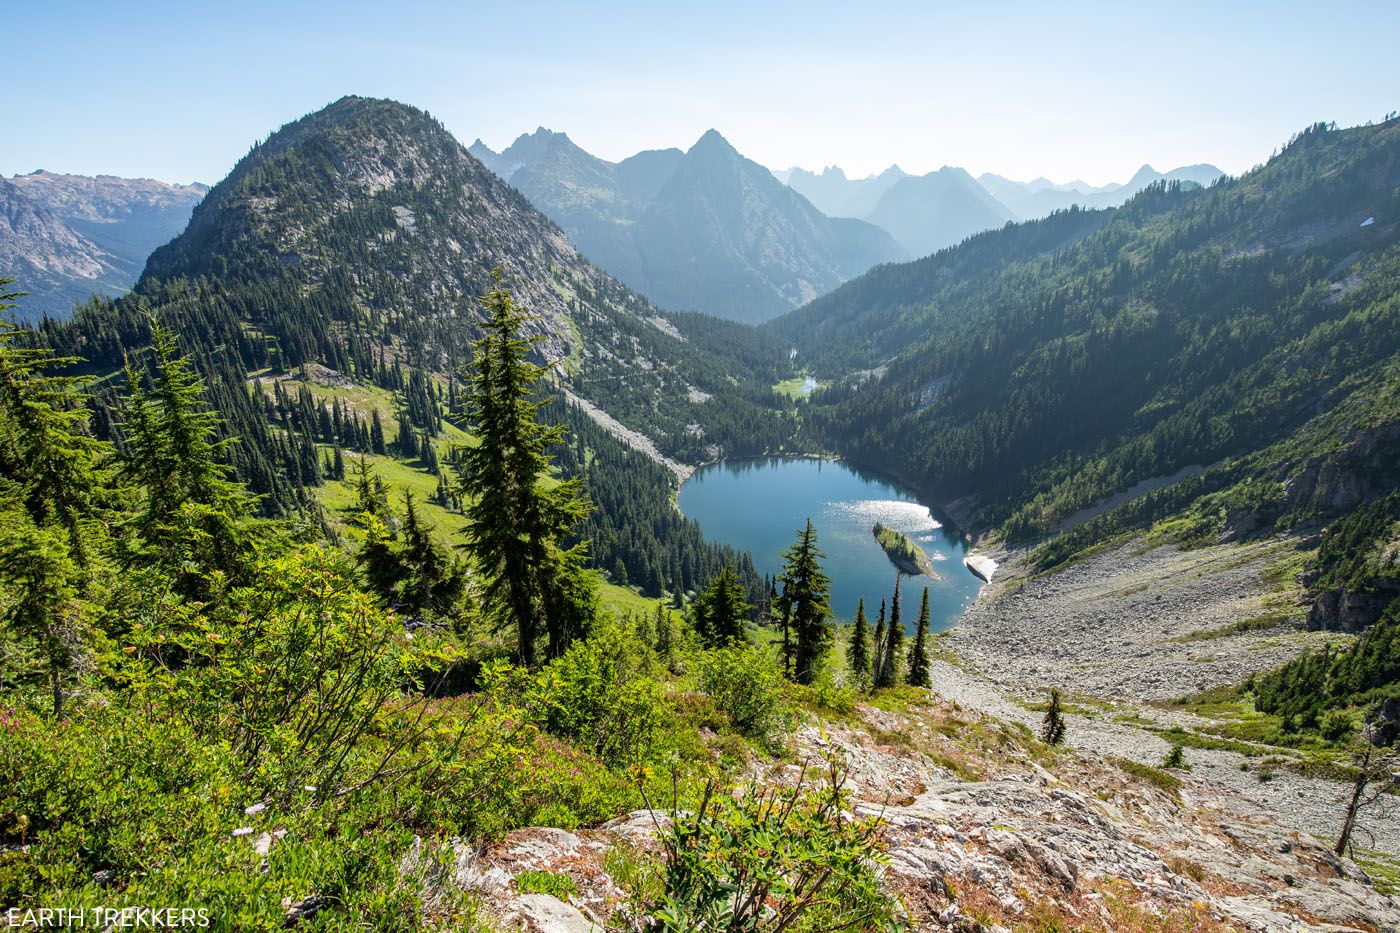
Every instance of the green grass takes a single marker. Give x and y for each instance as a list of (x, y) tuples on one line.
[(555, 884), (1162, 780), (792, 388), (1383, 870), (1272, 619)]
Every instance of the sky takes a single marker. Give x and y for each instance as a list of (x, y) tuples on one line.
[(1067, 90)]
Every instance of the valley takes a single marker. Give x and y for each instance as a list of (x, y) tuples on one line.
[(468, 533)]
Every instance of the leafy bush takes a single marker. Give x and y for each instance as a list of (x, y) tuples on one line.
[(745, 682), (787, 858), (291, 671), (599, 694)]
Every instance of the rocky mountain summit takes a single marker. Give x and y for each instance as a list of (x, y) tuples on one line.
[(66, 237), (701, 230), (127, 217)]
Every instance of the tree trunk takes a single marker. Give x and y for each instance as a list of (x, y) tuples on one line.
[(1354, 805)]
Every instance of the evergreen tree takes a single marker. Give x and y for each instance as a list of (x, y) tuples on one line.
[(1052, 727), (53, 497), (376, 434), (858, 654), (533, 583), (369, 491), (722, 609), (665, 635), (190, 521), (877, 663), (918, 656), (806, 600), (433, 582), (891, 655)]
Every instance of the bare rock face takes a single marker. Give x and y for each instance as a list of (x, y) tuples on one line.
[(541, 913), (57, 266), (1344, 610)]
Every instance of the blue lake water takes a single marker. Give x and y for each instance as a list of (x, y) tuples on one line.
[(759, 505)]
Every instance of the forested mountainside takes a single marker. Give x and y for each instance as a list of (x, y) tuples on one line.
[(705, 230), (357, 239), (327, 291), (1226, 359)]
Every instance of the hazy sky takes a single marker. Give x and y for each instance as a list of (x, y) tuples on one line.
[(179, 91)]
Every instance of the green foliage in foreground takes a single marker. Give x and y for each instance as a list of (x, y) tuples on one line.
[(221, 713), (786, 858)]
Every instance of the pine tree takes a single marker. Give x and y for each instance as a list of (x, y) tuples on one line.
[(1052, 727), (516, 527), (722, 609), (806, 600), (918, 656), (877, 662), (891, 655), (858, 654), (190, 521)]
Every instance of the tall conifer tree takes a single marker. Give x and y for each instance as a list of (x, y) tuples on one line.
[(534, 584), (918, 675), (858, 654), (806, 599)]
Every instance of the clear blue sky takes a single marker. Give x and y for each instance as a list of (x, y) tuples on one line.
[(179, 91)]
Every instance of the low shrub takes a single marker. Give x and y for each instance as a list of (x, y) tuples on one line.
[(784, 858), (745, 682)]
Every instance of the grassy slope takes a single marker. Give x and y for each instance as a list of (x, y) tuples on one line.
[(340, 499)]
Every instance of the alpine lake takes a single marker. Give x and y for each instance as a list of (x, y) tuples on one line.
[(759, 505)]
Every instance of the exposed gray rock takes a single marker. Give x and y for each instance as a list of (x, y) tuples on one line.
[(542, 913)]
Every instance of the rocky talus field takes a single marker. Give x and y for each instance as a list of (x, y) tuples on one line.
[(985, 829)]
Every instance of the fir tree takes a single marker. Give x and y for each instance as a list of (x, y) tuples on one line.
[(533, 583), (858, 654), (877, 662), (376, 434), (721, 610), (190, 519), (891, 655), (806, 600), (53, 497), (665, 634), (369, 491), (918, 656), (1052, 727), (432, 581)]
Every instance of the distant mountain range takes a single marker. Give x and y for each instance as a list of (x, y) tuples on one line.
[(704, 230), (65, 237), (929, 212), (1039, 198)]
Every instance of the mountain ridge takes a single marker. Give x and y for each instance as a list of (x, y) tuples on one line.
[(705, 229)]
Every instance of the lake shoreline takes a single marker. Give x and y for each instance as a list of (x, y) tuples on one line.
[(742, 504)]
